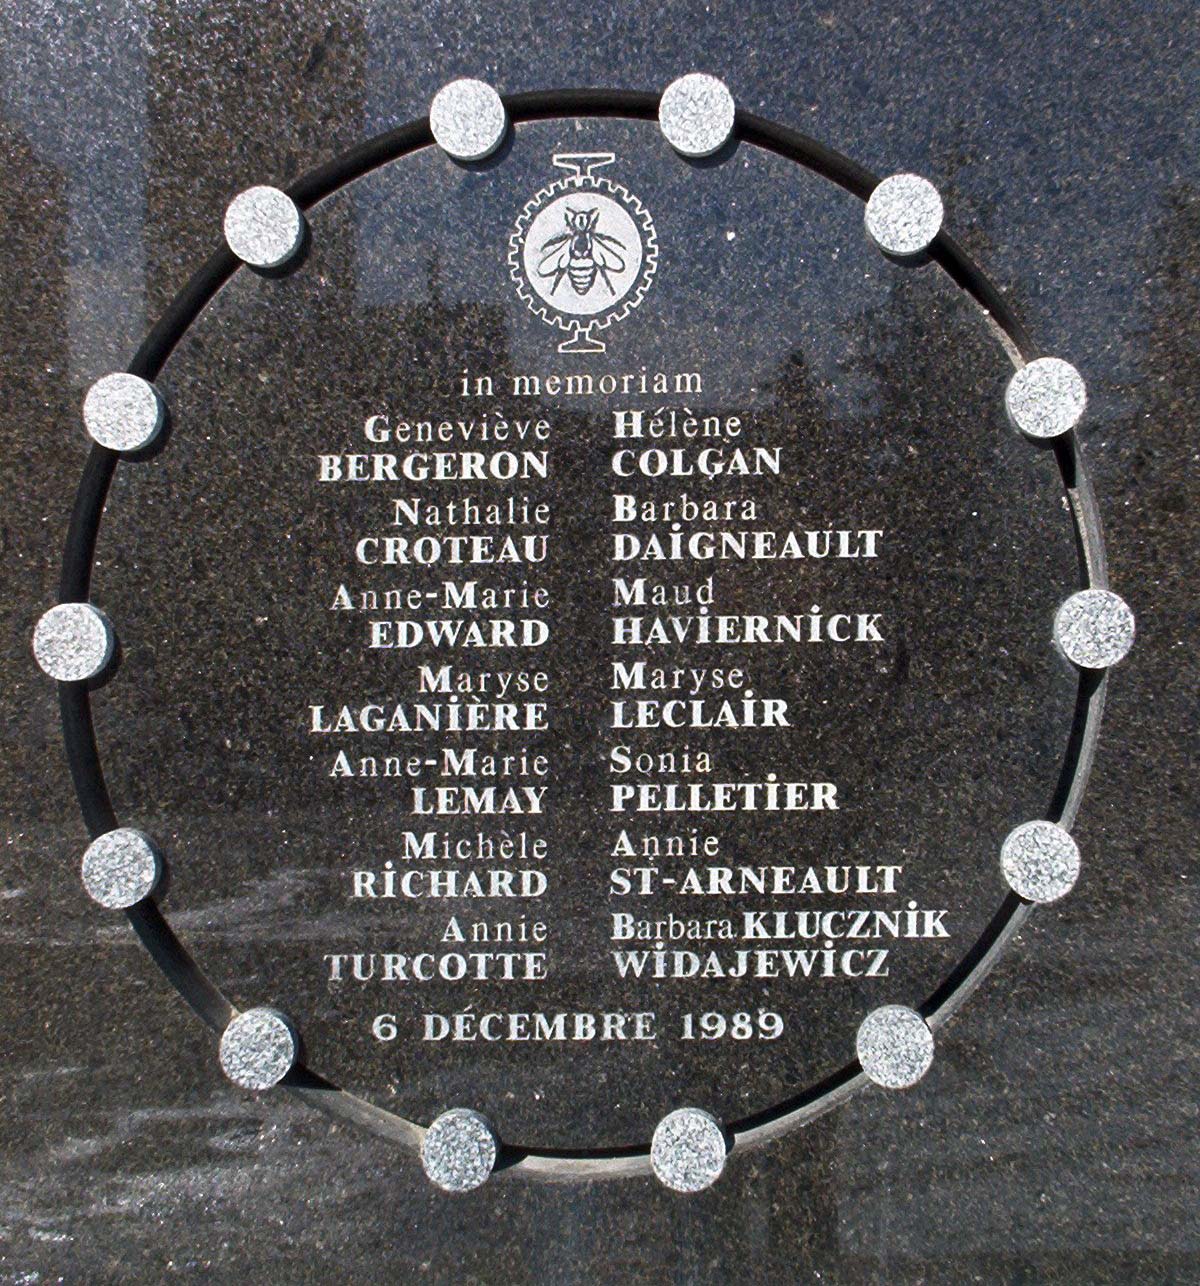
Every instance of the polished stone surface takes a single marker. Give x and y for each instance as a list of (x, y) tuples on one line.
[(1053, 1139), (878, 428)]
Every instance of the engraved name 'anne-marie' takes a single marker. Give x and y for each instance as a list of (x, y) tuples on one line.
[(460, 583)]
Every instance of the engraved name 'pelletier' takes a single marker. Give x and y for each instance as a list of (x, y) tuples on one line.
[(725, 797)]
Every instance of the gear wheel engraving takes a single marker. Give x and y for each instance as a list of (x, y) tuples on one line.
[(587, 254)]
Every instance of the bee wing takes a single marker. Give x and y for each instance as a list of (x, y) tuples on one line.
[(554, 261), (555, 254), (606, 257)]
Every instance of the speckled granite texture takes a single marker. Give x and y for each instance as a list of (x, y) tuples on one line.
[(1054, 1138)]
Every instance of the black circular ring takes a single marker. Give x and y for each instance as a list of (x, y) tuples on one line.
[(79, 553)]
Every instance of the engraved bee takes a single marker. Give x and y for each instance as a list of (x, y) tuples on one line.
[(581, 254)]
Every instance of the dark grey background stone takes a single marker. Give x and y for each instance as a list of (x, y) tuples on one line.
[(1054, 1137)]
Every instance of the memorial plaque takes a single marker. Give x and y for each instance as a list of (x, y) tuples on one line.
[(606, 691), (582, 635)]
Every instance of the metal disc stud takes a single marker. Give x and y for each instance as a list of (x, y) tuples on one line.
[(73, 642), (258, 1048), (696, 114), (264, 227), (904, 215), (468, 119), (1094, 628), (120, 868), (123, 412), (894, 1046), (687, 1152), (1040, 861), (459, 1150), (1045, 398)]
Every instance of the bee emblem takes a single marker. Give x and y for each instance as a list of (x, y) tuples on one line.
[(583, 252)]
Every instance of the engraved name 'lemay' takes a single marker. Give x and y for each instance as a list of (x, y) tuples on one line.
[(456, 562)]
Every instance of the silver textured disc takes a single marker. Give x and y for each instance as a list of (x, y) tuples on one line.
[(1040, 861), (687, 1152), (904, 214), (696, 114), (258, 1048), (1094, 628), (73, 641), (894, 1046), (468, 119), (1045, 397), (459, 1150), (123, 412), (264, 227), (120, 868)]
